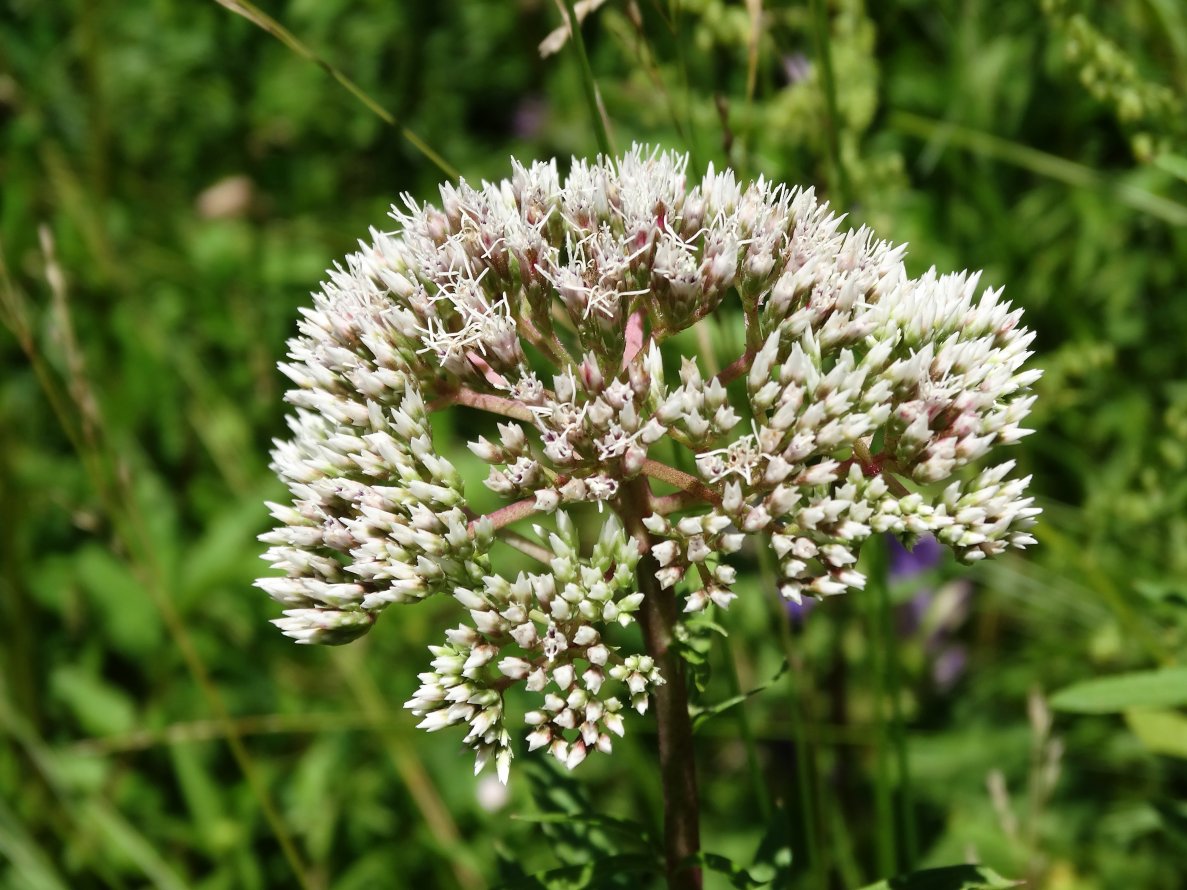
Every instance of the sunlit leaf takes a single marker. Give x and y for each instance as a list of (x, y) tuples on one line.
[(1163, 732), (952, 877), (1110, 695)]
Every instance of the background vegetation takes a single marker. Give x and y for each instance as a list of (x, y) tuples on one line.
[(173, 181)]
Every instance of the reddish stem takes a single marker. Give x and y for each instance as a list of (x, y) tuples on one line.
[(483, 402), (736, 368), (508, 514), (682, 480), (659, 616)]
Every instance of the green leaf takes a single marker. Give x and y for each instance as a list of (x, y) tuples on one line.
[(694, 643), (99, 707), (774, 857), (1162, 732), (702, 715), (1166, 688), (1175, 165), (629, 827), (1173, 819), (610, 871), (951, 877), (28, 864), (738, 876), (120, 835), (202, 796), (123, 607)]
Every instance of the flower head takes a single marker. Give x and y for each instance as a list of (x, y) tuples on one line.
[(552, 303)]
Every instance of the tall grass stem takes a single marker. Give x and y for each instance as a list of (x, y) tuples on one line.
[(887, 836), (828, 82), (802, 730), (601, 131)]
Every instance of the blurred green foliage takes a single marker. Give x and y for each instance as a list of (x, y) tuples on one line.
[(195, 177)]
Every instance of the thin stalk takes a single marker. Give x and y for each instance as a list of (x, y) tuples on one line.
[(647, 58), (883, 799), (588, 82), (526, 546), (744, 728), (801, 731), (686, 482), (1042, 163), (682, 63), (898, 731), (262, 20), (677, 761), (820, 29), (455, 854), (847, 865)]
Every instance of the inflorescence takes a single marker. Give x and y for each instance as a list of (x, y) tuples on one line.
[(858, 399)]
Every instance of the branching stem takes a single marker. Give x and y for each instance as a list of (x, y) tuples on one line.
[(682, 480), (507, 514), (483, 402), (736, 368)]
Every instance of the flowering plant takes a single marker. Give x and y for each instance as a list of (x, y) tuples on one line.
[(552, 304)]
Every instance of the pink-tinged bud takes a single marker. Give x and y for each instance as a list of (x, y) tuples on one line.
[(591, 375), (633, 460)]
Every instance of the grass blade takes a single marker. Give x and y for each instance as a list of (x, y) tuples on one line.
[(265, 22), (1041, 163)]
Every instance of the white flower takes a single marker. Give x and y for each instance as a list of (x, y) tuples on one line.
[(549, 304)]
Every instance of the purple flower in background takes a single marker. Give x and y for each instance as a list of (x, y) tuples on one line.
[(949, 666), (904, 563), (799, 611), (933, 614), (528, 117), (796, 68)]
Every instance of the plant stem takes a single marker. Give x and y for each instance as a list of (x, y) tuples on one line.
[(898, 732), (883, 804), (587, 81), (802, 731), (483, 402), (262, 20), (1071, 173), (820, 28), (684, 481), (658, 617), (761, 793)]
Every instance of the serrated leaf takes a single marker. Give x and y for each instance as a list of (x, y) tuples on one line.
[(951, 877), (1165, 688)]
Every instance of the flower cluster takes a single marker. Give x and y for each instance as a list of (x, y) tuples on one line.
[(551, 304)]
